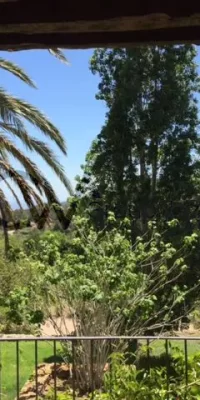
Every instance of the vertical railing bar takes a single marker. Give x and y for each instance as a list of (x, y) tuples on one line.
[(1, 366), (55, 370), (73, 370), (17, 368), (36, 369), (92, 366), (148, 355), (186, 366), (167, 361), (110, 367)]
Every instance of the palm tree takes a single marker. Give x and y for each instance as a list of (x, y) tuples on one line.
[(13, 113)]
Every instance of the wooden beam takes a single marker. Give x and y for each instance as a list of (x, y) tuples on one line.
[(81, 24), (30, 11), (108, 39)]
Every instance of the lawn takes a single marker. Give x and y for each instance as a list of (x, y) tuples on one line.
[(158, 346), (8, 374)]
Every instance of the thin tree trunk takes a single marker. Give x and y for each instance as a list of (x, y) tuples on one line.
[(142, 182), (5, 229), (155, 153), (154, 169)]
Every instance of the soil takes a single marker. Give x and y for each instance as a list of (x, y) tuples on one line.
[(65, 326)]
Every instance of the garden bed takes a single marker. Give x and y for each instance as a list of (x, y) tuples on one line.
[(50, 378)]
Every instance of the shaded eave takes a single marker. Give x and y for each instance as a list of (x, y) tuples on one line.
[(81, 24)]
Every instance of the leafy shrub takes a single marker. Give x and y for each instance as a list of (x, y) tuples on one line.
[(109, 286), (16, 276), (129, 382), (48, 247), (60, 396), (102, 277)]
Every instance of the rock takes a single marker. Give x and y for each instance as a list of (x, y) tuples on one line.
[(44, 375), (63, 372), (45, 369), (46, 380), (26, 396)]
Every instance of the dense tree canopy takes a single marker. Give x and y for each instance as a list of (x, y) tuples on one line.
[(143, 163)]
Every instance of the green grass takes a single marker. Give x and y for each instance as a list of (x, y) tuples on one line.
[(158, 346), (26, 364)]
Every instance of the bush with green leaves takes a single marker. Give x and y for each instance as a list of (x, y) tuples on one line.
[(47, 247), (128, 382), (166, 379), (16, 291), (106, 284), (109, 285)]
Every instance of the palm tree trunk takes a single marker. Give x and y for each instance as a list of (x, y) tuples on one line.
[(5, 229)]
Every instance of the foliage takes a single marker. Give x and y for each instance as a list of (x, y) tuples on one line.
[(102, 276), (60, 396), (106, 284), (16, 276), (128, 382), (164, 380), (143, 164), (47, 247)]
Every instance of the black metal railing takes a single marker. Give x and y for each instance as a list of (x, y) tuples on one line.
[(78, 365)]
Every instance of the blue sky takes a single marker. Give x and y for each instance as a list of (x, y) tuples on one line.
[(66, 94)]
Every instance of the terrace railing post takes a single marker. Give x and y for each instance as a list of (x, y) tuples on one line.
[(92, 366), (73, 370), (110, 367), (148, 355), (186, 367), (36, 369), (167, 365), (55, 370), (0, 373), (17, 369)]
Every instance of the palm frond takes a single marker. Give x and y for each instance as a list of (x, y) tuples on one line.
[(43, 150), (10, 117), (30, 167), (17, 71), (5, 205), (58, 53), (3, 154), (12, 109), (12, 191), (48, 155), (13, 113), (35, 175), (29, 194)]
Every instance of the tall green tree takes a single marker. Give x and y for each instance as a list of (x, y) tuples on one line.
[(142, 163)]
